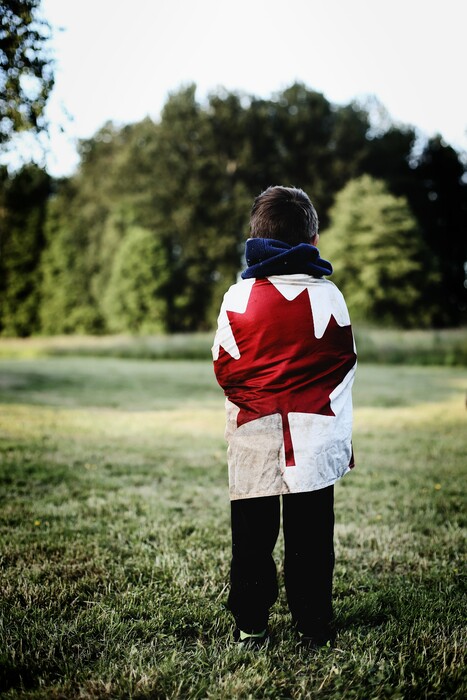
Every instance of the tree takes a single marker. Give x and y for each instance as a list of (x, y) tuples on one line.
[(436, 190), (173, 179), (306, 125), (299, 138), (438, 197), (388, 158), (380, 260), (26, 68), (287, 142), (87, 220), (189, 179), (68, 305), (23, 199), (348, 147), (198, 212), (134, 300)]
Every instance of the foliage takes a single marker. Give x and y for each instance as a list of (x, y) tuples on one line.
[(438, 198), (378, 256), (22, 214), (199, 210), (88, 218), (26, 68), (299, 138), (189, 180), (114, 533), (67, 302), (134, 296)]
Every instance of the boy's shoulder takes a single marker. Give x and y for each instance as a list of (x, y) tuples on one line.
[(324, 295), (286, 284)]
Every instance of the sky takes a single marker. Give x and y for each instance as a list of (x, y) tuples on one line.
[(117, 60)]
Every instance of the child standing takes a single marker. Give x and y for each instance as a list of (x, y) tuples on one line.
[(285, 356)]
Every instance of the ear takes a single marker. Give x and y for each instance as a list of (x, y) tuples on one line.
[(315, 239)]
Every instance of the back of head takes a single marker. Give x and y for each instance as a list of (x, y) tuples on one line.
[(284, 213)]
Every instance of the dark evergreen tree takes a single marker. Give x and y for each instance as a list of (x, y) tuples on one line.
[(438, 196), (23, 200), (388, 158)]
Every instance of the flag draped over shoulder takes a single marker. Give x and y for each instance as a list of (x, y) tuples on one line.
[(285, 356)]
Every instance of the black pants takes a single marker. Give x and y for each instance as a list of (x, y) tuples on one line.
[(308, 523)]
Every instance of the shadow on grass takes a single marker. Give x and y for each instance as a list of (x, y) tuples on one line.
[(369, 611)]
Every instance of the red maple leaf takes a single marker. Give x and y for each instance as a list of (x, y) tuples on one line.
[(283, 368)]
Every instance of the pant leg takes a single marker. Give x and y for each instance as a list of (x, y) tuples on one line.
[(308, 522), (253, 576)]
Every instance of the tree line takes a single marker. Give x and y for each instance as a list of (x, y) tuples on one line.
[(149, 231)]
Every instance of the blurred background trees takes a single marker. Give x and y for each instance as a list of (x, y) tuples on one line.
[(149, 232)]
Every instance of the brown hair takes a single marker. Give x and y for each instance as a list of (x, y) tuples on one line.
[(284, 213)]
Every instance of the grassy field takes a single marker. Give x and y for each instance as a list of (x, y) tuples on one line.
[(114, 539), (447, 347)]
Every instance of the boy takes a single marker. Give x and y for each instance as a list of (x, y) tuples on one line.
[(285, 356)]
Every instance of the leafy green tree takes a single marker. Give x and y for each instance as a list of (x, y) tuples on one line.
[(189, 180), (305, 126), (348, 148), (435, 187), (287, 142), (23, 198), (101, 204), (381, 263), (299, 138), (135, 300), (198, 211), (87, 221), (68, 305), (26, 68), (176, 179)]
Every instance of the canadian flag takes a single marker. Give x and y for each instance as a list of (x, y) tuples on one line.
[(285, 356)]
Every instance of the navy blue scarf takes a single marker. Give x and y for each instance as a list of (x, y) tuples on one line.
[(266, 257)]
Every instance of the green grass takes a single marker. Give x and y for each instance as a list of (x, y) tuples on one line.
[(446, 347), (114, 539)]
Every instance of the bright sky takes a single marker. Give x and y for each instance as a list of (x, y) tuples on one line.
[(118, 60)]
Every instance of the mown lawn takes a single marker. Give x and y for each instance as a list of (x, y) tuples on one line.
[(114, 539)]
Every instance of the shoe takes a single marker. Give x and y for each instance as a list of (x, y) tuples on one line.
[(315, 641), (251, 640), (322, 636)]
